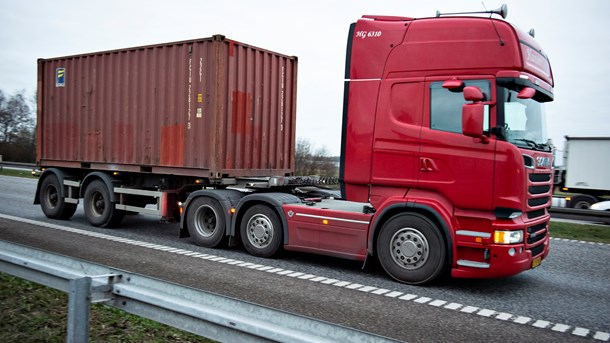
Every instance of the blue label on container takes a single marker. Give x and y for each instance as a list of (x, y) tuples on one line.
[(60, 77)]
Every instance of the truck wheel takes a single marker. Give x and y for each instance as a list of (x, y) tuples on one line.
[(99, 210), (411, 249), (53, 205), (206, 222), (582, 201), (261, 231)]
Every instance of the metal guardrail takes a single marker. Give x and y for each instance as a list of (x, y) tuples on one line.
[(580, 214), (17, 164), (202, 313)]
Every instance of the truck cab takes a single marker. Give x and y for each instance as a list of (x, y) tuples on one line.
[(478, 167)]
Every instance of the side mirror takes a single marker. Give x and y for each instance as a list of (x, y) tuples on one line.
[(526, 93), (472, 93), (473, 116), (453, 84)]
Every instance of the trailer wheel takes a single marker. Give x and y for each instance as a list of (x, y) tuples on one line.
[(411, 249), (53, 205), (261, 231), (582, 201), (99, 209), (206, 222)]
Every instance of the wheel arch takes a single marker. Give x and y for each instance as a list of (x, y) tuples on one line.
[(227, 198), (107, 179), (274, 200), (60, 174), (410, 207)]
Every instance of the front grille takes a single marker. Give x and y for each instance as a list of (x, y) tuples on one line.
[(537, 238), (535, 214), (540, 177), (538, 201), (537, 250), (536, 228), (539, 189)]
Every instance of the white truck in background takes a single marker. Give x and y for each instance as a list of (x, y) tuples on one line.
[(585, 171)]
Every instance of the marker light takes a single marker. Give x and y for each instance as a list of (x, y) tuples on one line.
[(232, 210), (508, 237), (325, 221)]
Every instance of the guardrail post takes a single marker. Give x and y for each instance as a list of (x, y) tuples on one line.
[(79, 304)]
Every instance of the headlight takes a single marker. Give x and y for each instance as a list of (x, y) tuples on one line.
[(508, 237)]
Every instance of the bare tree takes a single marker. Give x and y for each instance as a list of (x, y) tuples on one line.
[(309, 162), (17, 126)]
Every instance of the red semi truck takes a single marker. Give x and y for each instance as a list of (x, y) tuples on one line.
[(444, 162)]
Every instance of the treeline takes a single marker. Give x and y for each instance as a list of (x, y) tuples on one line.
[(314, 162), (17, 127)]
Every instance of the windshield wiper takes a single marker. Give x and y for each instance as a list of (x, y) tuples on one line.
[(532, 144)]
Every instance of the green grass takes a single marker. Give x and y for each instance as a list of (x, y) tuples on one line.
[(582, 232), (34, 313), (18, 173)]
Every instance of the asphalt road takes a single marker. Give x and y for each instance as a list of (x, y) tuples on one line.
[(567, 298)]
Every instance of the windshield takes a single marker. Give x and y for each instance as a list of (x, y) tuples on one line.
[(524, 121)]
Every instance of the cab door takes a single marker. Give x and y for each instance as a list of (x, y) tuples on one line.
[(458, 167)]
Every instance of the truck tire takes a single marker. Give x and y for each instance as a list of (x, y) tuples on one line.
[(206, 222), (99, 209), (411, 249), (582, 201), (261, 231), (53, 205)]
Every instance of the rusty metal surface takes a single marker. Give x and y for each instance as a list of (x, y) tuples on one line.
[(211, 107)]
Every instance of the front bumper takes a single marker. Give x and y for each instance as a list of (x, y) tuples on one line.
[(484, 259)]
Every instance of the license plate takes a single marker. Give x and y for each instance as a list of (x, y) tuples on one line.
[(536, 262)]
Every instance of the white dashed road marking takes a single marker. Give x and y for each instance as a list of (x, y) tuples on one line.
[(542, 324)]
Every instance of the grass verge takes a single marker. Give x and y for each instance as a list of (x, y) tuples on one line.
[(581, 232), (16, 172), (35, 313)]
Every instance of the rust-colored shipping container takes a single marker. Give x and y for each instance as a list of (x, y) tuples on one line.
[(209, 107)]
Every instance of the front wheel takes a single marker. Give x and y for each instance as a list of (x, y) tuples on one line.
[(99, 209), (261, 231), (411, 249)]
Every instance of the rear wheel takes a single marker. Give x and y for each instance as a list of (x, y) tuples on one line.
[(582, 201), (206, 222), (411, 249), (99, 209), (261, 231), (53, 205)]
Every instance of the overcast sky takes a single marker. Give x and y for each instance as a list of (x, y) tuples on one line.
[(574, 34)]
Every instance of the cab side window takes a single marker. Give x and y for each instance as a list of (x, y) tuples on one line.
[(446, 106)]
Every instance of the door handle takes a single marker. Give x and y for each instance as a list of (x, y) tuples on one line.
[(427, 165)]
